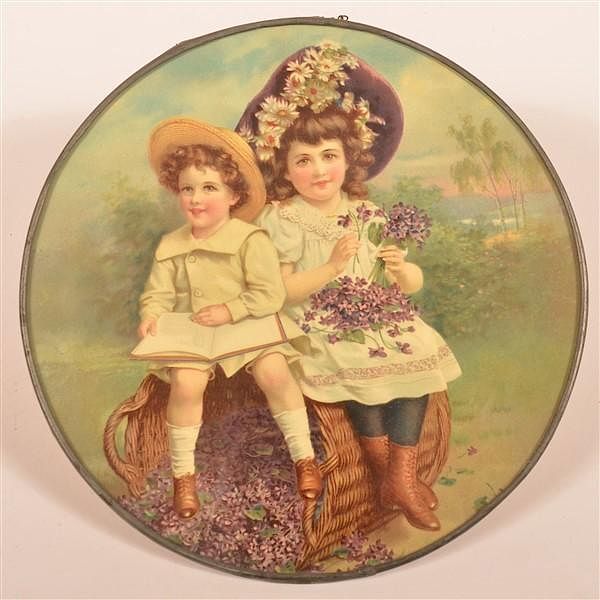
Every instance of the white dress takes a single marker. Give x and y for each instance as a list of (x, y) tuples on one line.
[(343, 371)]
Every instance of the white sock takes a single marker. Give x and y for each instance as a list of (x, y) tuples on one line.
[(296, 432), (182, 443)]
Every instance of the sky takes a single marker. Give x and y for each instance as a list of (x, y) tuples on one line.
[(214, 81)]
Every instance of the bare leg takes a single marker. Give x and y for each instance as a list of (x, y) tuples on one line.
[(184, 418), (286, 404), (185, 400)]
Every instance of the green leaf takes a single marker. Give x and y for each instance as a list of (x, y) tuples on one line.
[(288, 567), (334, 284), (447, 481), (263, 449), (480, 502), (267, 532), (465, 471), (374, 233), (149, 514), (205, 498), (341, 552), (174, 537), (256, 513), (356, 335)]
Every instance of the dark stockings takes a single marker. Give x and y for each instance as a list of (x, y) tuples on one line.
[(401, 419)]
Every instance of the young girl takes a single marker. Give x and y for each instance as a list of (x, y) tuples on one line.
[(317, 142), (222, 269)]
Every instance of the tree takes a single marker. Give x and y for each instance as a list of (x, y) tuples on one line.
[(480, 170), (135, 219), (492, 165)]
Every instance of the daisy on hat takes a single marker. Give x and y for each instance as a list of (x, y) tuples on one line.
[(315, 82)]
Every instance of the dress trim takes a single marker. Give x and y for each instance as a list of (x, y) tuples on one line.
[(312, 221), (428, 363)]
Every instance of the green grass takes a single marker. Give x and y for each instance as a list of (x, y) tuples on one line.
[(506, 396)]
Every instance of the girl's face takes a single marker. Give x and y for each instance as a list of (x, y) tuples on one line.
[(317, 171), (204, 199)]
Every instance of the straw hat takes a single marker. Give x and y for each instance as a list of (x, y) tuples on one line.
[(358, 79), (182, 131)]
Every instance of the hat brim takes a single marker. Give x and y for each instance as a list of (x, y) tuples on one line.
[(364, 82), (182, 131)]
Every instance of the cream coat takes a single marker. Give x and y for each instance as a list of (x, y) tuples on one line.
[(237, 266)]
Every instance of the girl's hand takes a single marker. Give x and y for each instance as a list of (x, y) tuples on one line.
[(211, 316), (344, 249), (406, 275), (147, 326), (393, 257)]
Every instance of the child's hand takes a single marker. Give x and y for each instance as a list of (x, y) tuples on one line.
[(393, 257), (406, 275), (147, 326), (343, 251), (211, 316)]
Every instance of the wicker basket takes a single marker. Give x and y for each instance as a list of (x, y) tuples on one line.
[(348, 503)]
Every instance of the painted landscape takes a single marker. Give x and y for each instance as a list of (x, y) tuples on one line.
[(501, 285)]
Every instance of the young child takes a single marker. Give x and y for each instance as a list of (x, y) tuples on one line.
[(222, 269), (317, 142)]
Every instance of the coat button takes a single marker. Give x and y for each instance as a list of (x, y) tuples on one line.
[(191, 258), (197, 292)]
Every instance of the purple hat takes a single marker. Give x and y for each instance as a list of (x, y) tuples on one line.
[(315, 78)]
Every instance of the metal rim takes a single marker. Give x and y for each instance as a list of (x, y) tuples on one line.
[(565, 392)]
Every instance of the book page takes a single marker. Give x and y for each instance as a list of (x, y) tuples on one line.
[(177, 336), (246, 335)]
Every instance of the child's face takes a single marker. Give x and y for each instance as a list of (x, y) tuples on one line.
[(317, 171), (204, 199)]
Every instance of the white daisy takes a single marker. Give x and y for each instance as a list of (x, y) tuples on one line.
[(299, 70), (348, 102), (277, 112), (264, 153), (247, 134), (329, 45)]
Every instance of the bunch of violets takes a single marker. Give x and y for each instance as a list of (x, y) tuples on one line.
[(358, 310), (402, 225)]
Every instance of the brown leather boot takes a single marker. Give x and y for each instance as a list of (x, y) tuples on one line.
[(400, 488), (308, 478), (428, 495), (377, 453), (185, 496)]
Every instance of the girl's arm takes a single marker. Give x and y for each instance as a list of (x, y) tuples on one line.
[(301, 285)]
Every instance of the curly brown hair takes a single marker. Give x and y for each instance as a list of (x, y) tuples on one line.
[(200, 156), (311, 128)]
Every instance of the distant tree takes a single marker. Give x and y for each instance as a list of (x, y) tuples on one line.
[(492, 164), (480, 170), (135, 221), (521, 172)]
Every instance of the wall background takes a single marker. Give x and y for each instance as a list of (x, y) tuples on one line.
[(60, 60)]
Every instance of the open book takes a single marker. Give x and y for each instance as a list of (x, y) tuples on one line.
[(179, 338)]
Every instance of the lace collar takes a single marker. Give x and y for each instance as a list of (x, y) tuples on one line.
[(297, 210)]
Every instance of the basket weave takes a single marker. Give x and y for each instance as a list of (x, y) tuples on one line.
[(349, 501)]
